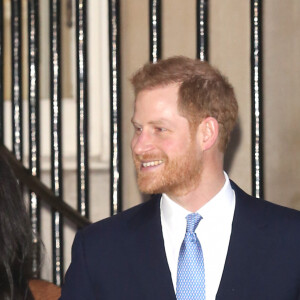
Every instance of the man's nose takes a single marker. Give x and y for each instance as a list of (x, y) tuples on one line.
[(142, 143)]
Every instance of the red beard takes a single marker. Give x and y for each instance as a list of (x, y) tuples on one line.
[(175, 177)]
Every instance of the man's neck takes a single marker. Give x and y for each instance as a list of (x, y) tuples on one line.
[(208, 187)]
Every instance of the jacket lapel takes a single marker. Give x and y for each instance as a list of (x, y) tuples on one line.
[(248, 243), (149, 262)]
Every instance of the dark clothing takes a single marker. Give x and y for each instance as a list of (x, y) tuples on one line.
[(123, 257)]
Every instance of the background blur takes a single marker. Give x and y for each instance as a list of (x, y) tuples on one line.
[(229, 51)]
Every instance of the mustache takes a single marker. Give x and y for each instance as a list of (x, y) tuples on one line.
[(148, 157)]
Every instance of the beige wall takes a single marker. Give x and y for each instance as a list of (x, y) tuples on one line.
[(229, 50), (282, 105)]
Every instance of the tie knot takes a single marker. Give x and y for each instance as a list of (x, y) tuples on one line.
[(192, 222)]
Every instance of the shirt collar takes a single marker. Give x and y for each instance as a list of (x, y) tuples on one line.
[(220, 204)]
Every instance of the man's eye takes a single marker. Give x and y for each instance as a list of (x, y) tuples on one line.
[(160, 129), (138, 129)]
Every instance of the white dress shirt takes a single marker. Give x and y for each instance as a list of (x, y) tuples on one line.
[(213, 232)]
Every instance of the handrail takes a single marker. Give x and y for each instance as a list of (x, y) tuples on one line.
[(35, 185)]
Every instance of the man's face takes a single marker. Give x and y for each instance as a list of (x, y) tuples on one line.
[(166, 155)]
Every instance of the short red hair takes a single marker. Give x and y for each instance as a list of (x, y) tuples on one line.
[(203, 91)]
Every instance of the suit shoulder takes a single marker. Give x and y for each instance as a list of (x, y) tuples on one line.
[(271, 211), (282, 215), (118, 223)]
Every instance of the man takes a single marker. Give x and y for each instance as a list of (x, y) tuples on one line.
[(200, 236)]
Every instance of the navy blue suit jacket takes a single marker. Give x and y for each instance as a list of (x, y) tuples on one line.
[(123, 257)]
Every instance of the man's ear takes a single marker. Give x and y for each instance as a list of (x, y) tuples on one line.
[(208, 133)]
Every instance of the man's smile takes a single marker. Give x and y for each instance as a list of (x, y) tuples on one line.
[(151, 163)]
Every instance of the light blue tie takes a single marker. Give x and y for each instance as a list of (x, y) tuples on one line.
[(190, 272)]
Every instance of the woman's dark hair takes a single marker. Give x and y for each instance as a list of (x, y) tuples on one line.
[(15, 238)]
